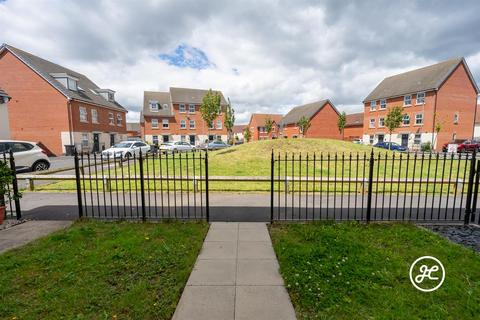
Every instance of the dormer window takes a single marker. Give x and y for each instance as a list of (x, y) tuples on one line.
[(153, 105), (107, 94), (68, 81)]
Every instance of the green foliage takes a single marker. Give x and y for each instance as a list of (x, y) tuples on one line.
[(210, 108), (269, 125), (229, 119), (6, 178), (247, 135), (394, 118), (342, 121), (304, 125), (426, 147)]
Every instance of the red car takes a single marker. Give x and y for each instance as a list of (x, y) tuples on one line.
[(463, 146)]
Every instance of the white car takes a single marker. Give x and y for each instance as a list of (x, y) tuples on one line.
[(126, 149), (178, 146), (357, 141), (28, 155)]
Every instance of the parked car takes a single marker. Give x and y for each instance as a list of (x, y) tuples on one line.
[(215, 145), (463, 146), (179, 146), (357, 141), (28, 155), (126, 149), (390, 146)]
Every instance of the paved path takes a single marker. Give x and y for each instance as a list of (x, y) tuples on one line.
[(235, 277), (23, 233)]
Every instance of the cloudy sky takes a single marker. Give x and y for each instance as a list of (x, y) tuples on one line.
[(266, 55)]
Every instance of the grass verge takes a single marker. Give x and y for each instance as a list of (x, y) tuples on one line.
[(99, 270), (358, 271)]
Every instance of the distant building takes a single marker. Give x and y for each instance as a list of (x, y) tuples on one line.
[(238, 131), (134, 130), (353, 127), (257, 128), (56, 106), (4, 126), (175, 116), (443, 93), (323, 118)]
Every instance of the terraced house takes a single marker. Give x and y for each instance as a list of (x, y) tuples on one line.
[(258, 130), (443, 95), (175, 116), (56, 106)]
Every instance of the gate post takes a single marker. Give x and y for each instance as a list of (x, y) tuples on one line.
[(471, 176), (370, 187), (77, 180), (142, 186), (207, 200), (272, 164), (16, 197)]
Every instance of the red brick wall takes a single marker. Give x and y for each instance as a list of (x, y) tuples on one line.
[(37, 111), (103, 124), (258, 121), (353, 132)]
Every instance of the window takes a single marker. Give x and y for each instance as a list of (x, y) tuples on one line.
[(262, 129), (153, 105), (372, 123), (406, 120), (191, 108), (183, 124), (455, 118), (165, 124), (219, 124), (20, 147), (381, 122), (373, 105), (183, 138), (119, 120), (154, 123), (192, 124), (83, 114), (380, 138), (421, 98), (84, 139), (155, 139), (419, 118), (371, 139), (181, 108), (407, 100), (72, 84), (417, 139), (383, 104), (94, 116), (166, 138), (111, 119)]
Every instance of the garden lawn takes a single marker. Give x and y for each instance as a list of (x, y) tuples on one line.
[(99, 270), (358, 271)]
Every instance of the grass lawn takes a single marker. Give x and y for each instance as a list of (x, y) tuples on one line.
[(99, 270), (358, 271)]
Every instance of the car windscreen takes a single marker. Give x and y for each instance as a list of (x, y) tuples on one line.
[(122, 145)]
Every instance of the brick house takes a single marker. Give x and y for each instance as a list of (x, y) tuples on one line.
[(4, 126), (175, 116), (56, 106), (257, 129), (134, 130), (444, 93), (353, 127), (323, 121), (238, 131)]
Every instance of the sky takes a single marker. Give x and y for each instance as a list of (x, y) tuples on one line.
[(265, 55)]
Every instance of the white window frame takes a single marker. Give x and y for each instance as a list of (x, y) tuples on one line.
[(181, 108), (153, 105), (85, 140), (423, 99), (111, 119), (190, 124), (406, 116), (154, 123), (372, 123), (183, 138), (94, 113), (373, 105), (416, 119), (72, 84), (405, 99), (165, 124), (183, 124), (381, 122), (419, 140), (219, 125), (83, 114), (383, 104), (190, 107), (371, 139), (119, 120)]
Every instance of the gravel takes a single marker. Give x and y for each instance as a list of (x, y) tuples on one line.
[(468, 236)]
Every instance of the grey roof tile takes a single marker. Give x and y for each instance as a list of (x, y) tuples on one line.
[(308, 110)]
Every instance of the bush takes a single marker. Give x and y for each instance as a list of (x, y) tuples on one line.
[(426, 147)]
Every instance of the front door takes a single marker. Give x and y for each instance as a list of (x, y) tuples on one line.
[(405, 140), (112, 140), (192, 140), (381, 138), (96, 142)]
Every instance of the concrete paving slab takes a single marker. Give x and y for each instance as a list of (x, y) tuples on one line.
[(258, 272), (222, 234), (224, 225), (252, 225), (218, 250), (206, 303), (254, 234), (255, 250), (213, 272), (263, 303)]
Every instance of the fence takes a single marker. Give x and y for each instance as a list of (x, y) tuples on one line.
[(11, 198), (143, 187), (424, 187)]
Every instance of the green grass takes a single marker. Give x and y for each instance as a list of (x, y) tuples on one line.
[(98, 270), (358, 271)]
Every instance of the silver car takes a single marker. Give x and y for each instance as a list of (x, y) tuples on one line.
[(28, 155), (179, 146), (126, 149)]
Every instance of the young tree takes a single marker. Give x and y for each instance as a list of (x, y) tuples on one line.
[(210, 108), (342, 121), (269, 125), (229, 121), (304, 125), (437, 128), (247, 135), (393, 120)]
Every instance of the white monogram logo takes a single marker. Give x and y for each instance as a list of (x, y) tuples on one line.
[(429, 270)]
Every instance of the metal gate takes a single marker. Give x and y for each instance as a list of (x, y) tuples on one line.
[(11, 198)]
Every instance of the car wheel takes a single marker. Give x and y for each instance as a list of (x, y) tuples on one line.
[(128, 155), (40, 166)]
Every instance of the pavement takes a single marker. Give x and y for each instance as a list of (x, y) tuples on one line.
[(236, 276), (23, 233)]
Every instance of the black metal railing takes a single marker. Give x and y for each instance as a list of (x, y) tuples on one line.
[(11, 199), (143, 187), (425, 187)]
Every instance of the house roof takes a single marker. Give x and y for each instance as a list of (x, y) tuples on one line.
[(239, 128), (46, 68), (306, 110), (3, 94), (163, 100), (260, 118), (187, 95), (133, 126), (354, 119), (423, 79)]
